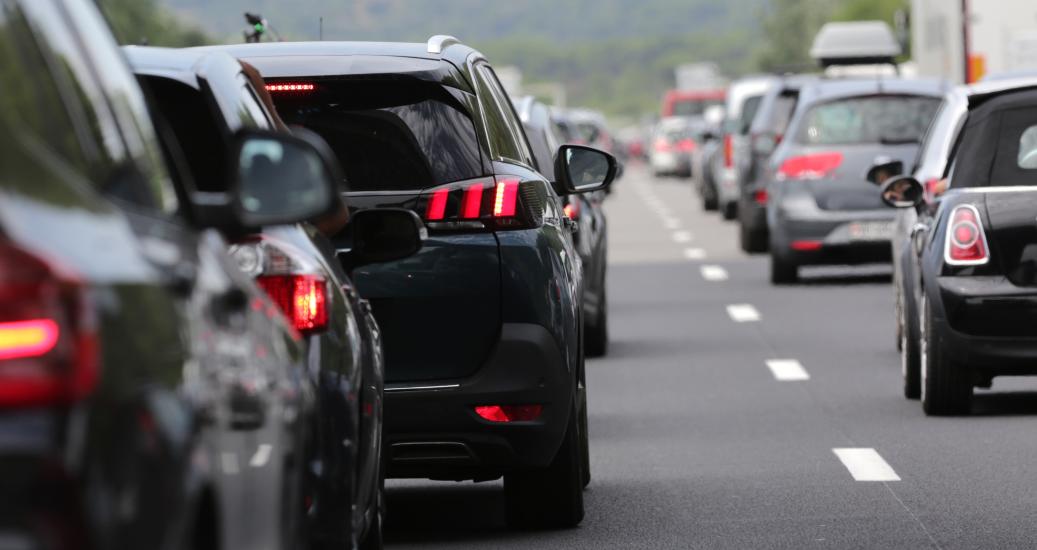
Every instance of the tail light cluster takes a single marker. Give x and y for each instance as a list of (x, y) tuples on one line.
[(815, 166), (49, 351), (289, 279), (729, 151), (966, 242), (686, 145), (493, 203), (572, 209)]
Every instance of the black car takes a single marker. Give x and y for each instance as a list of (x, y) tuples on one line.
[(208, 97), (765, 134), (482, 328), (821, 208), (151, 396), (973, 270), (586, 210)]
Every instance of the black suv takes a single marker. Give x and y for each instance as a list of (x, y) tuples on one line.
[(482, 328), (151, 396)]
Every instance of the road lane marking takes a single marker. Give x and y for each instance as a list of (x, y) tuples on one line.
[(743, 313), (694, 254), (671, 223), (262, 456), (787, 370), (713, 273), (682, 236), (865, 464), (229, 462)]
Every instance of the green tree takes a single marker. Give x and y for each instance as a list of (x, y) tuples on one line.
[(145, 22), (789, 27)]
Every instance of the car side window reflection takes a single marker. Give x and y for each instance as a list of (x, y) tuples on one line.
[(1028, 149)]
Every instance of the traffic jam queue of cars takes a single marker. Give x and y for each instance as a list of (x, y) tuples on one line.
[(244, 285), (939, 179)]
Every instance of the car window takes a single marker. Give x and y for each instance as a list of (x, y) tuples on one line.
[(390, 135), (502, 127), (1027, 157), (749, 109), (142, 178), (874, 119), (781, 112), (694, 107), (249, 106)]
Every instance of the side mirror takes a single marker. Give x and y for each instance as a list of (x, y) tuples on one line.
[(883, 169), (382, 235), (902, 192), (278, 179), (581, 169)]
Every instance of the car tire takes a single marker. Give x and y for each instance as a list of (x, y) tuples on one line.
[(730, 211), (946, 384), (373, 538), (910, 355), (783, 272), (551, 497), (596, 334), (709, 203), (752, 242)]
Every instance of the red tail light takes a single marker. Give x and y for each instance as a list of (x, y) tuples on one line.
[(810, 167), (760, 196), (302, 298), (504, 203), (572, 210), (509, 413), (729, 151), (806, 246), (966, 241), (662, 145), (48, 339), (686, 145), (291, 87), (931, 185)]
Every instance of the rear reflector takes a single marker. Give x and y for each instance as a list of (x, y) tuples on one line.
[(810, 167), (509, 413), (806, 246), (48, 339), (302, 298), (966, 241), (291, 87)]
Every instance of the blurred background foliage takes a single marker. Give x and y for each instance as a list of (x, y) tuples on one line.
[(614, 55)]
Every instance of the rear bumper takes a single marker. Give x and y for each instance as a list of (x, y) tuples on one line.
[(832, 231), (432, 431), (988, 324), (752, 214)]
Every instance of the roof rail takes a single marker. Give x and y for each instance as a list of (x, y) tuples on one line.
[(438, 43)]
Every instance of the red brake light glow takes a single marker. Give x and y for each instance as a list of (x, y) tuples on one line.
[(760, 196), (686, 145), (729, 151), (572, 210), (966, 243), (302, 298), (291, 87), (437, 205), (19, 339), (810, 167), (472, 202), (806, 246), (509, 413), (505, 198)]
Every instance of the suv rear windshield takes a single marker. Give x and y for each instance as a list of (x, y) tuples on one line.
[(873, 119), (396, 135), (694, 107)]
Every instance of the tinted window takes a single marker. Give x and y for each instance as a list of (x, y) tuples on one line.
[(694, 107), (877, 119), (749, 108), (503, 130), (389, 135), (996, 144)]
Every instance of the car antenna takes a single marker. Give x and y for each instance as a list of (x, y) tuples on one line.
[(320, 29)]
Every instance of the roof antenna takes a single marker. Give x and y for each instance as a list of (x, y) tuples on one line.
[(320, 32)]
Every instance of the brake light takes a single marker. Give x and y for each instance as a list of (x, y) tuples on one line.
[(729, 151), (806, 246), (504, 203), (662, 145), (810, 167), (509, 413), (437, 205), (291, 87), (48, 339), (472, 202), (686, 145), (966, 241), (302, 298), (760, 196), (572, 210), (505, 198)]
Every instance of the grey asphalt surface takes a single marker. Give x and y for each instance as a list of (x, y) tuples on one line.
[(695, 444)]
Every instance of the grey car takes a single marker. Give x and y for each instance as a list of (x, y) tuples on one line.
[(822, 208)]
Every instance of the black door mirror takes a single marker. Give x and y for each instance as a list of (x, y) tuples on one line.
[(279, 179), (382, 235), (883, 169), (902, 192), (581, 169)]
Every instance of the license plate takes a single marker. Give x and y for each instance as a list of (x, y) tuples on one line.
[(871, 231)]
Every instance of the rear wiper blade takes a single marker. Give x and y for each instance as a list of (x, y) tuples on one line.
[(898, 141)]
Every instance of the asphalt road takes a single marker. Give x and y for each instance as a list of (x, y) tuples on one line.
[(697, 442)]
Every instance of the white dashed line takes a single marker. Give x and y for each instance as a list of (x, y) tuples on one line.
[(743, 313), (671, 223), (229, 462), (262, 456), (694, 254), (787, 370), (865, 464), (713, 273), (682, 236)]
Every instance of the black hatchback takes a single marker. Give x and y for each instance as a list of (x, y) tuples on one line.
[(482, 328), (151, 396)]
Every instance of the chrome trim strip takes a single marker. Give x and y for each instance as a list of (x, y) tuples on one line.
[(394, 389)]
